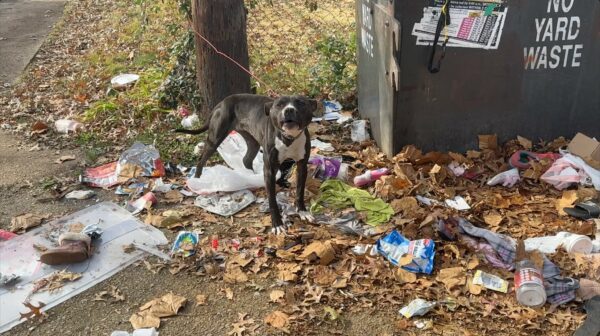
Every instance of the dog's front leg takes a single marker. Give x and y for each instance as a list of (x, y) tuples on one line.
[(302, 171), (270, 174)]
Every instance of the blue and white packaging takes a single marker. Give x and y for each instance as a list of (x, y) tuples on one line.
[(394, 246)]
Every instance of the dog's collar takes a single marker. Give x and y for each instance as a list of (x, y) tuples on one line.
[(290, 138)]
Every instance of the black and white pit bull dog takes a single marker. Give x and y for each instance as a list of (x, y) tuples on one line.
[(278, 125)]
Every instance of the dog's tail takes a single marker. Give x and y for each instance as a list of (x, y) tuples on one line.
[(196, 131)]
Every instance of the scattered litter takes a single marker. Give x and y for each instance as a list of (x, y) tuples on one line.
[(185, 243), (362, 249), (8, 280), (160, 186), (427, 201), (332, 109), (508, 178), (135, 188), (359, 132), (103, 176), (348, 223), (415, 256), (67, 126), (151, 312), (80, 194), (570, 170), (458, 203), (370, 176), (332, 106), (226, 204), (190, 121), (323, 146), (144, 202), (586, 148), (20, 256), (328, 167), (417, 307), (123, 80), (139, 160), (458, 169), (24, 222), (522, 159), (38, 127), (490, 281), (137, 332), (529, 285), (337, 194), (183, 111), (220, 178), (6, 235), (572, 243)]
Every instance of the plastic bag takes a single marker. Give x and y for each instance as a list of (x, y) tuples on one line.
[(238, 177), (327, 167), (139, 160), (226, 205), (359, 132), (394, 246)]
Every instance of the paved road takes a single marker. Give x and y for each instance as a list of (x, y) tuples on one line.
[(23, 26)]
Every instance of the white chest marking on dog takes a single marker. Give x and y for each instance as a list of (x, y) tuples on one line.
[(294, 151)]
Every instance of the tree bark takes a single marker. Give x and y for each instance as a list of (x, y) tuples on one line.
[(223, 23)]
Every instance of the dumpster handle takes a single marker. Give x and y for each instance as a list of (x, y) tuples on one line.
[(443, 22)]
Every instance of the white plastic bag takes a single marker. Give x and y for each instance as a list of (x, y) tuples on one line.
[(221, 178)]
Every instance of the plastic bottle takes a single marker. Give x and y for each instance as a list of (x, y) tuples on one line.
[(369, 176), (66, 126), (529, 285)]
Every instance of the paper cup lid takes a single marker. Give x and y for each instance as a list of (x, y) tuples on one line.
[(532, 296), (579, 244)]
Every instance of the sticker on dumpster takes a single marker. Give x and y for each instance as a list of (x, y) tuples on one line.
[(473, 24), (562, 31)]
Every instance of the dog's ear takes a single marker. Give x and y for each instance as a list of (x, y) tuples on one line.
[(315, 108), (268, 107)]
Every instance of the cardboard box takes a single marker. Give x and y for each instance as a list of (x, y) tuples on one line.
[(586, 148)]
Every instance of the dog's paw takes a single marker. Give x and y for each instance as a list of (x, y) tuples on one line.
[(306, 216), (279, 230)]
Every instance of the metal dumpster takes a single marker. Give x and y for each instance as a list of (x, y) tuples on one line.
[(512, 67)]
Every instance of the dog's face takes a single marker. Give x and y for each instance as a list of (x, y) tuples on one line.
[(291, 114)]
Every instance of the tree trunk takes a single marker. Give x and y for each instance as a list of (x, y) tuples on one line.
[(222, 23)]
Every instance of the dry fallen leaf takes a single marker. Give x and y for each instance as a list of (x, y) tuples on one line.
[(33, 311), (473, 262), (322, 250), (276, 295), (234, 274), (492, 218), (243, 325), (38, 127), (114, 295), (228, 293), (526, 143), (569, 197), (144, 319), (27, 221), (277, 319), (200, 300), (473, 288), (405, 276), (151, 312), (64, 158), (451, 277)]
